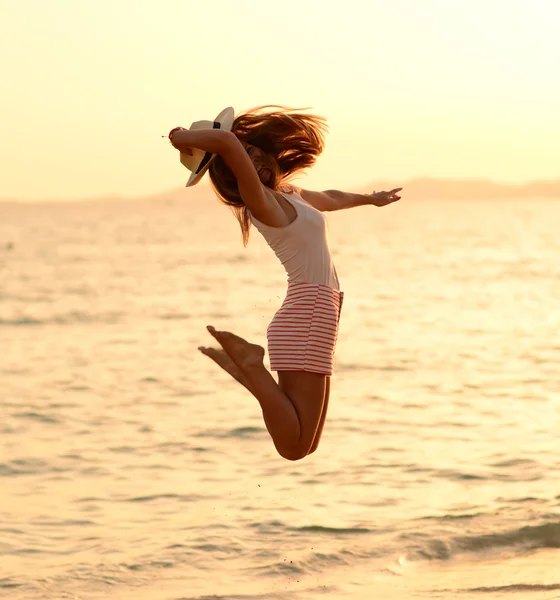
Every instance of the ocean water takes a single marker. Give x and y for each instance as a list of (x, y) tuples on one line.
[(131, 466)]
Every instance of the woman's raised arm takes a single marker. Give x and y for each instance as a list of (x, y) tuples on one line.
[(337, 200), (209, 140), (256, 196)]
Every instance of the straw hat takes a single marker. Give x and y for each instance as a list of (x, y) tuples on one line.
[(199, 162)]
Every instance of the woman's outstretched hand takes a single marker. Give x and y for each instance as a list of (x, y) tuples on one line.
[(384, 198)]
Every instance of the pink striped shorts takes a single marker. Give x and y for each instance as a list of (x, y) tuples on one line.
[(302, 335)]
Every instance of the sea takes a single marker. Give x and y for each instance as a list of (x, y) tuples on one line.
[(133, 467)]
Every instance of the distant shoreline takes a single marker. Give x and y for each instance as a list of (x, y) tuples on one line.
[(423, 188), (471, 189)]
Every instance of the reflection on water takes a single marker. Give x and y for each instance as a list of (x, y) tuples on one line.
[(131, 467)]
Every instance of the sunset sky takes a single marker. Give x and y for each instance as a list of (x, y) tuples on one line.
[(410, 88)]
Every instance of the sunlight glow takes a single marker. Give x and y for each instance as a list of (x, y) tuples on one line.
[(409, 88)]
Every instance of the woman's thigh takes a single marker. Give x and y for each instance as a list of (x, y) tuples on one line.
[(323, 417), (307, 393)]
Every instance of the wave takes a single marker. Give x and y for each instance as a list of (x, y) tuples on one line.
[(156, 497), (337, 531), (71, 318), (519, 587), (321, 589), (531, 537), (7, 582), (28, 466), (342, 366), (175, 316), (238, 432), (35, 416), (22, 321)]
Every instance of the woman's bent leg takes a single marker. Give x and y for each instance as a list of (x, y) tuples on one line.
[(307, 393), (291, 408)]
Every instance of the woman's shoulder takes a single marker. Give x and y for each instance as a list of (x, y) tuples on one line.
[(285, 213), (293, 192), (288, 188)]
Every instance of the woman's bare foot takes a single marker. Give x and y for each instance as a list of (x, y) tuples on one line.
[(219, 356), (244, 354)]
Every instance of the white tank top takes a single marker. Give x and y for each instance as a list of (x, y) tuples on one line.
[(303, 245)]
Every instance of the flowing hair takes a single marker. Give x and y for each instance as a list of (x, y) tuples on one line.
[(291, 139)]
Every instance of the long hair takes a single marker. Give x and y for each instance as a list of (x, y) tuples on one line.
[(291, 139)]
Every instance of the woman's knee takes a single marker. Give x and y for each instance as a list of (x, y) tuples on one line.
[(293, 454)]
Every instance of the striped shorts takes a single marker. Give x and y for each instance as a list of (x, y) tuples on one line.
[(302, 335)]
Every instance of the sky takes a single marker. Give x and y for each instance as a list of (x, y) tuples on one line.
[(410, 88)]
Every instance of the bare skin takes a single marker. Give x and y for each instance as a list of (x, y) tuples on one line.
[(220, 357), (293, 409), (323, 417)]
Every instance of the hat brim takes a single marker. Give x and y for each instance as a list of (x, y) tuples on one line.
[(225, 119)]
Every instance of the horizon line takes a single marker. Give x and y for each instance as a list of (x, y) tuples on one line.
[(414, 181)]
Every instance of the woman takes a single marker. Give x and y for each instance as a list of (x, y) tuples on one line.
[(251, 158)]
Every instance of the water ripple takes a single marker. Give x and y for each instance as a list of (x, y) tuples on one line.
[(542, 536), (34, 416), (71, 318), (332, 530), (155, 497), (7, 582), (28, 466), (518, 587)]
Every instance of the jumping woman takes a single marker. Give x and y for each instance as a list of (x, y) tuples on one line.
[(251, 159)]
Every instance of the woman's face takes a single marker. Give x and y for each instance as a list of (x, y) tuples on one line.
[(261, 161)]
